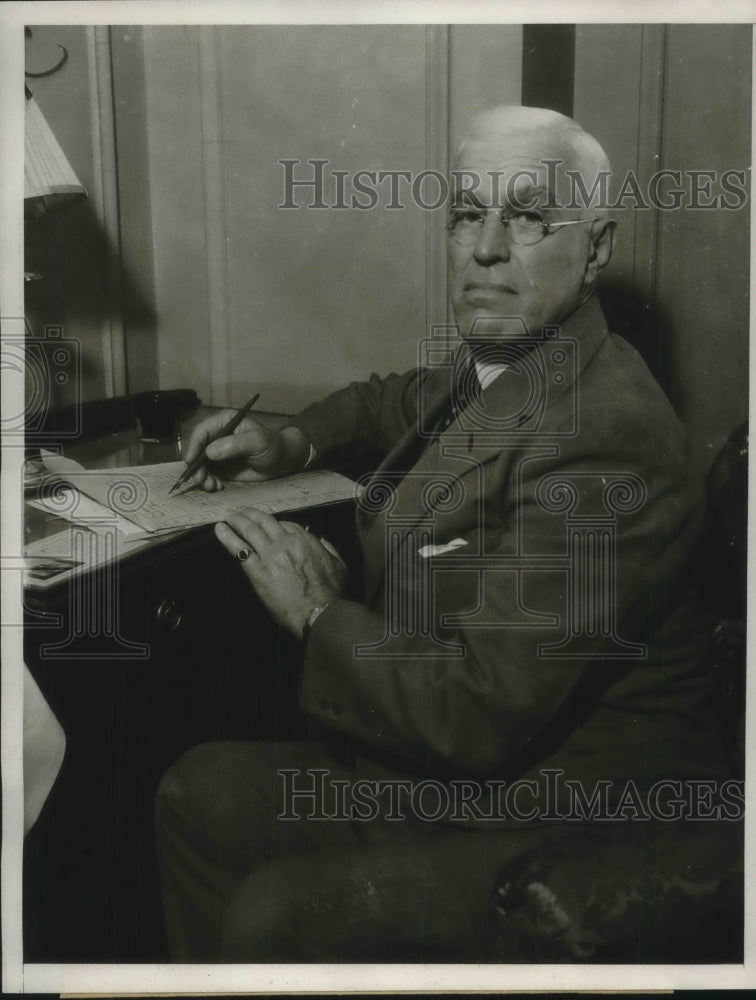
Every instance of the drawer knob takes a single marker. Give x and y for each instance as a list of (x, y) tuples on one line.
[(169, 614)]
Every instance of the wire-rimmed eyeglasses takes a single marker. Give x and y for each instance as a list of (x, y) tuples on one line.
[(524, 228)]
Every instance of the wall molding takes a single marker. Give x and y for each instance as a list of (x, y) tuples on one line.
[(548, 66), (105, 202), (211, 123), (651, 77), (437, 136)]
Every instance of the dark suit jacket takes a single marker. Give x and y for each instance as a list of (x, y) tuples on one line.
[(562, 633)]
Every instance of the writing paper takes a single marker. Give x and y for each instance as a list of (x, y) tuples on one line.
[(141, 494)]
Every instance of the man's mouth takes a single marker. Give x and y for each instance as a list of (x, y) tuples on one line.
[(483, 292)]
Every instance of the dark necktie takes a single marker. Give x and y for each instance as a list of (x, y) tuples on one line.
[(465, 388)]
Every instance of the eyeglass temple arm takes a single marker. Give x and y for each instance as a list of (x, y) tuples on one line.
[(572, 222)]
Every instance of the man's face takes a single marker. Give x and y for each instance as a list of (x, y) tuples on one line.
[(493, 280)]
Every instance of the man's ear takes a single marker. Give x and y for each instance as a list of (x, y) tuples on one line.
[(603, 246)]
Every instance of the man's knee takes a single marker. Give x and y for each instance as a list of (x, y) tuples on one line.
[(260, 925), (187, 789), (339, 906), (292, 910)]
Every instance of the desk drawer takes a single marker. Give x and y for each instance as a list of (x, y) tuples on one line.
[(190, 656)]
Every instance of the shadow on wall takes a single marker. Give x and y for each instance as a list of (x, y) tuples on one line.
[(645, 325), (83, 284)]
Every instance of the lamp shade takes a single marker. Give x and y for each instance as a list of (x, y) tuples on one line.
[(49, 179)]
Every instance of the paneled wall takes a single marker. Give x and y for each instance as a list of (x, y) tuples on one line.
[(69, 249), (678, 285), (94, 258), (296, 302), (182, 270)]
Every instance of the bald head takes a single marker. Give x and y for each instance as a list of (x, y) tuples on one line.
[(511, 132)]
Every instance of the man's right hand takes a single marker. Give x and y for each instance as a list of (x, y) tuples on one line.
[(253, 452)]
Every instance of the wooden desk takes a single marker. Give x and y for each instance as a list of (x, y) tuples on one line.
[(193, 658)]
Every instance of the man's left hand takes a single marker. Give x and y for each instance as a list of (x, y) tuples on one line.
[(291, 571)]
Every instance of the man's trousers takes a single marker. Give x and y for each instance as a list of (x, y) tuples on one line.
[(241, 884)]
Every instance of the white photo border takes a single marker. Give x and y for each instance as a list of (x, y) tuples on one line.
[(143, 979)]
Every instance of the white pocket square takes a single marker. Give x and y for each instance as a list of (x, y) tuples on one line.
[(438, 550)]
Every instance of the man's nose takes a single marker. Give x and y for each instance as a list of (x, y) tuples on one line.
[(493, 242)]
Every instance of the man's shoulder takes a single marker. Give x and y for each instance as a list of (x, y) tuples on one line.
[(619, 381), (612, 412)]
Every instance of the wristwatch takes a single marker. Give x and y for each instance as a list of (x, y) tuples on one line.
[(311, 619)]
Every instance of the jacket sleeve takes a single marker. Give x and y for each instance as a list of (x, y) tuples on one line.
[(372, 414)]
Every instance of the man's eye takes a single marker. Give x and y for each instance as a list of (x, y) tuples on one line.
[(527, 220), (466, 215)]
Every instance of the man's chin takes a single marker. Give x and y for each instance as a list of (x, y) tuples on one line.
[(484, 329)]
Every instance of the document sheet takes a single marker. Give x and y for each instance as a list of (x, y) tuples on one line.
[(142, 495)]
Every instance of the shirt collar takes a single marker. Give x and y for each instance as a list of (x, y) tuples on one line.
[(488, 372)]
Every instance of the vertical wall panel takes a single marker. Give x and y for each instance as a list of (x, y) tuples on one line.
[(134, 207), (70, 248), (320, 296), (619, 75), (104, 197), (704, 253), (618, 79), (437, 154), (548, 66), (677, 97), (212, 152), (176, 182), (95, 257), (485, 69)]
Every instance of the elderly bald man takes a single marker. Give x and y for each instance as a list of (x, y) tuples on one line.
[(523, 615)]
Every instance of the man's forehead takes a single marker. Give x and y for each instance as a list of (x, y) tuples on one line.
[(512, 150), (485, 180), (534, 162)]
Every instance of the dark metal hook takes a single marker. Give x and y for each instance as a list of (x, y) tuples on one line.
[(53, 69)]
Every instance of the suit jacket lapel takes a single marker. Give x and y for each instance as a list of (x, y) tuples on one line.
[(391, 483), (524, 402), (518, 406)]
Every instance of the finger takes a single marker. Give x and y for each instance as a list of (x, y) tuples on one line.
[(234, 544), (247, 475), (201, 480), (204, 433), (265, 522), (300, 541), (259, 536), (292, 528), (249, 439), (198, 481), (334, 552)]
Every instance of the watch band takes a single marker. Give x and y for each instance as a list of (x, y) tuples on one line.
[(311, 619)]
